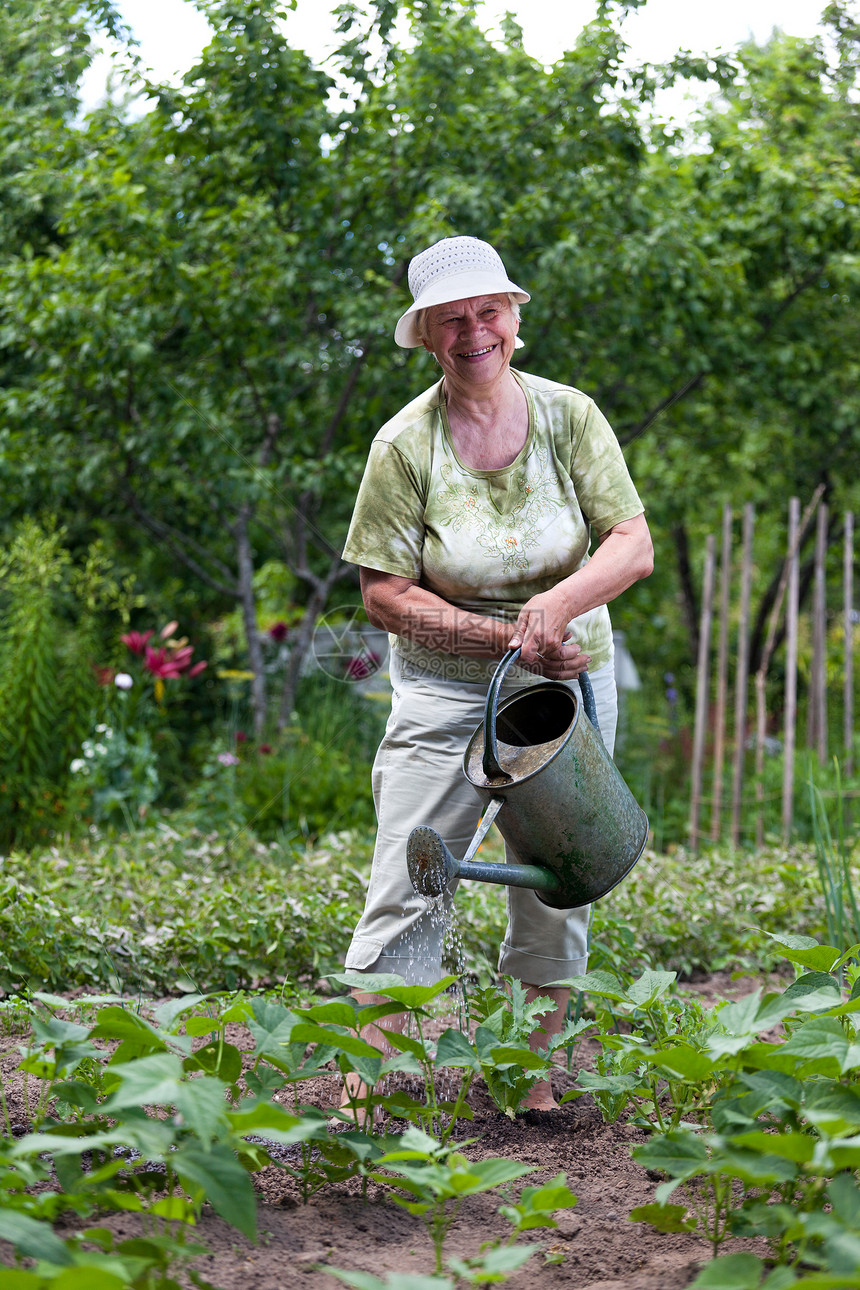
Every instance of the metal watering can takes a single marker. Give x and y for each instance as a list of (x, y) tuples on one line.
[(558, 799)]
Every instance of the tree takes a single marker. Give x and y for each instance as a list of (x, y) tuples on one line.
[(202, 344)]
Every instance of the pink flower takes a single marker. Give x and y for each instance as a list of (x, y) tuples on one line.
[(136, 641), (278, 632), (198, 668), (168, 631), (164, 664), (228, 759)]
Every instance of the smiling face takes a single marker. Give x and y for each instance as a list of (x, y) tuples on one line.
[(472, 339)]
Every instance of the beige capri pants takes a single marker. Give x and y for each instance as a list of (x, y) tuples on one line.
[(418, 780)]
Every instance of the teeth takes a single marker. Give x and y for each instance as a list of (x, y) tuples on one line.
[(475, 352)]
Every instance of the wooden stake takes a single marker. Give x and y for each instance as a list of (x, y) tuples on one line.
[(848, 621), (791, 670), (742, 675), (722, 676), (767, 653), (818, 686), (702, 692)]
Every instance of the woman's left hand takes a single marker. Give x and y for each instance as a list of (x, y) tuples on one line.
[(545, 645)]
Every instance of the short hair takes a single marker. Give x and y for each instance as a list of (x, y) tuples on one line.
[(421, 329)]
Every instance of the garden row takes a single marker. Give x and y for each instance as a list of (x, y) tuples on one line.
[(752, 1110)]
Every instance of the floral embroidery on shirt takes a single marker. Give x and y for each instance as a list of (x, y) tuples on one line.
[(508, 536)]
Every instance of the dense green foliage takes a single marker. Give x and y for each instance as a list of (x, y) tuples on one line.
[(197, 304), (170, 908), (214, 281)]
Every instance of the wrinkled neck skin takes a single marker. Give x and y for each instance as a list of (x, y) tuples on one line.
[(489, 422)]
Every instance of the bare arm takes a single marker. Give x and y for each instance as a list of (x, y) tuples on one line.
[(402, 606), (625, 555)]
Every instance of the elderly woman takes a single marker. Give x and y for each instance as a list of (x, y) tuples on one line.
[(472, 531)]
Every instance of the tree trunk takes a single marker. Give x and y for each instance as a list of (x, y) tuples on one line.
[(689, 601), (245, 561), (301, 642)]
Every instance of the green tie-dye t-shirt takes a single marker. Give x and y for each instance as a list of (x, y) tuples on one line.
[(489, 540)]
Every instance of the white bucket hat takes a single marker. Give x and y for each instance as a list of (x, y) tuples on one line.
[(454, 269)]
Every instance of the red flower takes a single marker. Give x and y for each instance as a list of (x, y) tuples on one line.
[(104, 675), (136, 641), (278, 632), (241, 737), (163, 663), (265, 748)]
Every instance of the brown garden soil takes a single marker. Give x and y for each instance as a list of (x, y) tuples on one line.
[(594, 1247)]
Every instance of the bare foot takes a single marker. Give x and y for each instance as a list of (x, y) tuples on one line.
[(540, 1097)]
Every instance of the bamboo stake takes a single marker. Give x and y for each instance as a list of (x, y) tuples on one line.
[(742, 677), (702, 692), (722, 676), (848, 674), (767, 653), (791, 671), (818, 688)]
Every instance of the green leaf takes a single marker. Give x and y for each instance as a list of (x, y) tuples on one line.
[(602, 984), (216, 1058), (123, 1025), (833, 1109), (845, 1197), (685, 1062), (666, 1218), (337, 1012), (492, 1173), (89, 1278), (149, 1081), (821, 1040), (271, 1026), (455, 1050), (821, 1281), (223, 1181), (806, 951), (202, 1105), (393, 987), (394, 1280), (798, 1147), (408, 1044), (33, 1239), (166, 1013), (649, 987), (679, 1153), (307, 1032), (731, 1272)]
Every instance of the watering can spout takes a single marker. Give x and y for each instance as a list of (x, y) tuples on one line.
[(432, 868)]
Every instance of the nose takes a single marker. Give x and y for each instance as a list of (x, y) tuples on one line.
[(471, 324)]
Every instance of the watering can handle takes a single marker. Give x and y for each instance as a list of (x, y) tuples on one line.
[(491, 767)]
